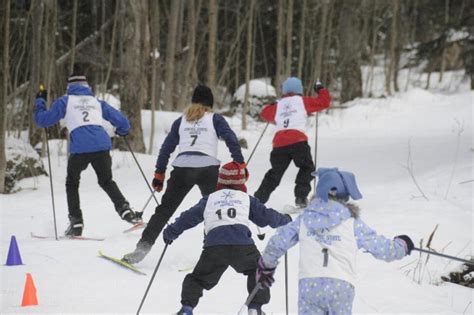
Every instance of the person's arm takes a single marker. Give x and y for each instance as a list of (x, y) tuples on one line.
[(318, 103), (224, 131), (268, 113), (378, 245), (168, 147), (263, 216), (115, 117), (45, 118), (284, 238), (188, 219)]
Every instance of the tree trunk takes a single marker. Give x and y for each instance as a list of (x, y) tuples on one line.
[(289, 37), (155, 48), (3, 105), (349, 51), (248, 62), (393, 43), (211, 51), (73, 36), (170, 53), (279, 48), (446, 22), (134, 86), (320, 47), (302, 39)]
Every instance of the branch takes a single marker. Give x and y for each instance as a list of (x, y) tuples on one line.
[(409, 168)]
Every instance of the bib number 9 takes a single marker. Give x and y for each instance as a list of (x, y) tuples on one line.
[(286, 123)]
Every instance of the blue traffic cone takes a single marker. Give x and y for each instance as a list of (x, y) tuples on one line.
[(14, 257)]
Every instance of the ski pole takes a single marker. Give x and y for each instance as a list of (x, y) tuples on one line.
[(51, 183), (260, 235), (444, 256), (141, 170), (250, 298), (152, 278), (148, 201), (256, 145), (286, 281)]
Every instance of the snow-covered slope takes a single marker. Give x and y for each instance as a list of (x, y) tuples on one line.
[(381, 140)]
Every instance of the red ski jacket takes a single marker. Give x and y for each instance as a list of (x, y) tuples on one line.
[(291, 136)]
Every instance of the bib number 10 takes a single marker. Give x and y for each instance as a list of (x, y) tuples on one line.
[(231, 213)]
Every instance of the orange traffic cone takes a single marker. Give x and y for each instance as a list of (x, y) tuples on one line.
[(29, 294)]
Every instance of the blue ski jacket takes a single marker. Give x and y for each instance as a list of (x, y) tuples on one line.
[(236, 234), (85, 139), (223, 131)]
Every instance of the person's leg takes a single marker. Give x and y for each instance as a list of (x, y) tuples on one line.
[(75, 165), (311, 297), (209, 269), (280, 160), (301, 155), (244, 260), (206, 179), (102, 164), (177, 187), (341, 296)]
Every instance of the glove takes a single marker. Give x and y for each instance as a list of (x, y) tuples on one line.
[(168, 238), (121, 134), (318, 86), (408, 243), (158, 181), (42, 93), (264, 274)]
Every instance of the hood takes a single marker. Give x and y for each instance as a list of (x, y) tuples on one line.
[(324, 214), (79, 89)]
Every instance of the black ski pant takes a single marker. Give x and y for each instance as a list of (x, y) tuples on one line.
[(182, 180), (102, 164), (213, 263), (280, 159)]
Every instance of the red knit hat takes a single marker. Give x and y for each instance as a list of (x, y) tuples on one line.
[(233, 175)]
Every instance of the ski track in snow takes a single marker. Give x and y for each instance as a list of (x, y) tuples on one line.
[(371, 139)]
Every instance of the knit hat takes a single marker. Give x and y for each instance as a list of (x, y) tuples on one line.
[(77, 76), (340, 184), (292, 85), (232, 175), (203, 95)]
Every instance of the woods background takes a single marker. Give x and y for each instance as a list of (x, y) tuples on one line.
[(151, 53)]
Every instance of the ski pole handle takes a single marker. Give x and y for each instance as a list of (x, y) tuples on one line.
[(444, 256)]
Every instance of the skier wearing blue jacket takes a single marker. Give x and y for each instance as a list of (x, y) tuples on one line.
[(329, 232), (196, 133), (89, 143), (228, 241)]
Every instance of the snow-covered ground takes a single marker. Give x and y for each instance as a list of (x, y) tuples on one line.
[(425, 133)]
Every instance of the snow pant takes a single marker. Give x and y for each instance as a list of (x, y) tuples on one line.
[(280, 158), (213, 263), (325, 296), (182, 180), (102, 164)]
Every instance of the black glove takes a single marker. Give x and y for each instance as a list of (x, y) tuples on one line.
[(42, 93), (318, 86), (168, 238), (121, 134), (409, 243)]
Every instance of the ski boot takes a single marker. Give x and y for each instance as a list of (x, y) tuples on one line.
[(127, 214), (301, 202), (76, 225), (185, 310), (255, 309), (142, 249)]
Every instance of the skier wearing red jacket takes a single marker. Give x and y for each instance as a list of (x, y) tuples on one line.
[(290, 143)]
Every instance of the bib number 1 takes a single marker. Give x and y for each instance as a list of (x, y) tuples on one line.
[(231, 213), (326, 257)]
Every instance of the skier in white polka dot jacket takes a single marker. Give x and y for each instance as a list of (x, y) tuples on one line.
[(329, 232)]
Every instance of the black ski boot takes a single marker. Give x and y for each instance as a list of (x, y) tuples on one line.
[(185, 310), (301, 202), (127, 214), (255, 309), (76, 225), (142, 249)]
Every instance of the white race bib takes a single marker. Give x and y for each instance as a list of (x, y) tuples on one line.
[(198, 135), (328, 252), (226, 207), (82, 110), (291, 114)]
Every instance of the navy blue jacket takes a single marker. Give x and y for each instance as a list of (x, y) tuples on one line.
[(236, 234), (223, 131), (85, 139)]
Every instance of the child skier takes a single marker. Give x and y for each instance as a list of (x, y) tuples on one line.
[(226, 214), (90, 143), (196, 133), (329, 232), (290, 142)]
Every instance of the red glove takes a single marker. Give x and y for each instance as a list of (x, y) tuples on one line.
[(158, 181)]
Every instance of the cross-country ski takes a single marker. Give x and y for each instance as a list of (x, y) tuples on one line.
[(121, 263)]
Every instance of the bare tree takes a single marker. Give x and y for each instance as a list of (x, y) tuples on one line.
[(248, 62), (3, 105), (320, 47), (393, 44), (279, 45), (289, 37), (73, 36), (155, 61), (170, 54), (212, 44), (302, 38)]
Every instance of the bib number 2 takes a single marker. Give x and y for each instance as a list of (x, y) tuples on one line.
[(85, 116)]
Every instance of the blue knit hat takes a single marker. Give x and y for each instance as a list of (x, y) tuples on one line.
[(340, 183), (292, 85)]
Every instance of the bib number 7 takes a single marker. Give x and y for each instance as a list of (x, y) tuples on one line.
[(194, 139)]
